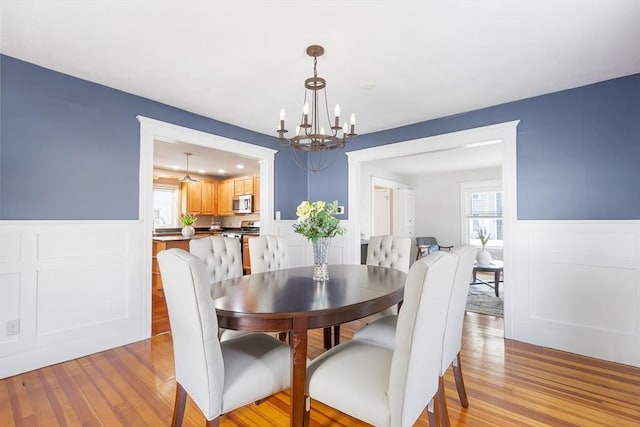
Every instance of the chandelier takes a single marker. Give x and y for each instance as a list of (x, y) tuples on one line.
[(311, 135)]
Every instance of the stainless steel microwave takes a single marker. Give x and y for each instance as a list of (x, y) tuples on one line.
[(242, 204)]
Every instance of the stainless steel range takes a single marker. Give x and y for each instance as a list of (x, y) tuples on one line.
[(232, 234), (250, 227)]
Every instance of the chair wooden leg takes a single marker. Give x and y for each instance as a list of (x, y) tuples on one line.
[(442, 404), (457, 375), (326, 338), (307, 411), (179, 406), (336, 335), (214, 422), (432, 412)]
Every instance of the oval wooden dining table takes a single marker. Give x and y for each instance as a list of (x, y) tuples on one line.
[(290, 300)]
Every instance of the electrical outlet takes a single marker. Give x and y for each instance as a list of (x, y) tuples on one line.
[(340, 210), (13, 327)]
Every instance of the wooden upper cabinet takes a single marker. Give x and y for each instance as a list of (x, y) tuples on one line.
[(225, 197), (191, 194), (209, 198), (238, 186), (256, 193), (243, 186), (199, 197)]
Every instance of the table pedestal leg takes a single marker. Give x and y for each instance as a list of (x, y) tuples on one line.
[(298, 345)]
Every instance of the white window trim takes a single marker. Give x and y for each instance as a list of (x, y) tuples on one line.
[(176, 208), (466, 187)]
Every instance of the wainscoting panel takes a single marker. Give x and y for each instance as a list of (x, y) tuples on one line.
[(10, 248), (79, 243), (103, 290), (591, 290), (9, 303), (576, 287), (76, 288)]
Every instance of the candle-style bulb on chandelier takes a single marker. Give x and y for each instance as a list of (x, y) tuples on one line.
[(311, 135)]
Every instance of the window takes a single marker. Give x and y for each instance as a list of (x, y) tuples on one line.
[(165, 206), (482, 207)]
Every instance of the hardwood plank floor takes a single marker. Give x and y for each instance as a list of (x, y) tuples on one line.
[(508, 383)]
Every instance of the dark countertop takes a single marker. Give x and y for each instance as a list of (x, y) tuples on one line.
[(177, 237), (174, 234)]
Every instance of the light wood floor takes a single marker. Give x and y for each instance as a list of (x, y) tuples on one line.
[(509, 384)]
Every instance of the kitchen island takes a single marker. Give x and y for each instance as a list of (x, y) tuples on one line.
[(167, 241)]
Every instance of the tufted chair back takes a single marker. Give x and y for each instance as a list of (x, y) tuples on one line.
[(268, 253), (222, 256), (389, 251)]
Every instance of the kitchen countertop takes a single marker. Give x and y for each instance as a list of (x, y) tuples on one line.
[(177, 237)]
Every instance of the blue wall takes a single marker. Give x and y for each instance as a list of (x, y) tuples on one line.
[(578, 151), (70, 149)]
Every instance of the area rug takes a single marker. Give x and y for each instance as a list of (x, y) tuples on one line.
[(484, 301)]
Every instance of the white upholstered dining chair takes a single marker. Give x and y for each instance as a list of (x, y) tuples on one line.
[(382, 331), (391, 387), (384, 251), (389, 251), (218, 376), (268, 253), (222, 256)]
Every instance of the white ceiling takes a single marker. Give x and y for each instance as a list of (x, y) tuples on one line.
[(393, 63), (202, 161)]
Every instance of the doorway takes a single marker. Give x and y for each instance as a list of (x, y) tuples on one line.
[(152, 130), (381, 212), (503, 132)]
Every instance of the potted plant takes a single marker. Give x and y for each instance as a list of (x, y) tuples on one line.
[(483, 257), (317, 222), (187, 220)]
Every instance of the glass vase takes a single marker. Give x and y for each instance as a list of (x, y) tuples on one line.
[(321, 258)]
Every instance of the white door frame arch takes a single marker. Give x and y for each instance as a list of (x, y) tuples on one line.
[(150, 129), (504, 132)]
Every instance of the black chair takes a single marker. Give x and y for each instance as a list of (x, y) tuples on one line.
[(426, 245)]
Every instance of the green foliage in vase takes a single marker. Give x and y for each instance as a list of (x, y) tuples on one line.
[(484, 236), (317, 220), (188, 219)]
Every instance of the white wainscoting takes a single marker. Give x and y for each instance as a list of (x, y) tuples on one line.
[(300, 249), (76, 287), (576, 287)]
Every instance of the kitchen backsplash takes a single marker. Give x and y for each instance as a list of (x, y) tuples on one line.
[(226, 221), (234, 221)]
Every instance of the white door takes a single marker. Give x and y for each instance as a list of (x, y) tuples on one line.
[(381, 214)]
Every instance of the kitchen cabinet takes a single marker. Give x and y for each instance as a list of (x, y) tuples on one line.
[(256, 193), (209, 198), (225, 197), (243, 186), (246, 262), (159, 245), (198, 197), (191, 195)]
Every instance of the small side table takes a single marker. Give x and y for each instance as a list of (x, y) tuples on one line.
[(496, 268)]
